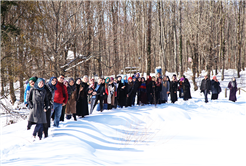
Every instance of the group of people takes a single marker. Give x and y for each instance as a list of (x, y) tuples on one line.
[(213, 86), (59, 98)]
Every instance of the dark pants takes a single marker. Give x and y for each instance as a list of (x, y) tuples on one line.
[(214, 96), (163, 101), (206, 95), (133, 99), (109, 106), (63, 113), (94, 103), (47, 125), (115, 103), (38, 129)]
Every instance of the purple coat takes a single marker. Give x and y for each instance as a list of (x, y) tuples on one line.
[(233, 91)]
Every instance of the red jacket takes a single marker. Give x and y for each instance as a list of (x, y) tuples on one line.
[(59, 97)]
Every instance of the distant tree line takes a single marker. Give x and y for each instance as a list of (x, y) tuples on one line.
[(111, 35)]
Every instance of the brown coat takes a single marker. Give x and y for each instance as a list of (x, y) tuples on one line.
[(71, 104)]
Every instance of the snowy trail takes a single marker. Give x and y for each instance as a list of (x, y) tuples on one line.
[(184, 133)]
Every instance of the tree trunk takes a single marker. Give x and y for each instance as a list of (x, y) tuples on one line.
[(149, 40), (89, 39), (180, 41), (115, 23), (11, 84), (239, 40), (175, 40)]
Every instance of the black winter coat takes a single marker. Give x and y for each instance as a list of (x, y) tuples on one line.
[(82, 101), (173, 91), (215, 87), (186, 89), (205, 85), (158, 93), (38, 101), (50, 96), (130, 93), (150, 92), (121, 95)]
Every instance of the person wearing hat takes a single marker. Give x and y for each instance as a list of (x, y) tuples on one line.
[(205, 87), (129, 92), (30, 85), (215, 88), (38, 103)]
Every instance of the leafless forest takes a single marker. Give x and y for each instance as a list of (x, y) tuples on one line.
[(108, 36)]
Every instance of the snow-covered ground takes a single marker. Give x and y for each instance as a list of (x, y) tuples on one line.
[(185, 133)]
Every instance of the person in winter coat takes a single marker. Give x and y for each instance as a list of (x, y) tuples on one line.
[(168, 79), (60, 99), (233, 90), (92, 86), (119, 83), (138, 90), (98, 95), (38, 103), (109, 89), (122, 89), (129, 92), (135, 88), (165, 90), (186, 88), (82, 102), (72, 100), (205, 87), (50, 88), (149, 90), (79, 98), (65, 82), (115, 93), (143, 99), (180, 88), (158, 88), (215, 88), (30, 85), (174, 89)]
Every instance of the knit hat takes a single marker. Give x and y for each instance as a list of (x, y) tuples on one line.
[(129, 78), (214, 77), (34, 79)]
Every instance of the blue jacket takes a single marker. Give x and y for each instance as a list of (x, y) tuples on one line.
[(26, 94)]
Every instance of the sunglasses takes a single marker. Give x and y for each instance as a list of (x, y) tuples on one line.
[(62, 78)]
